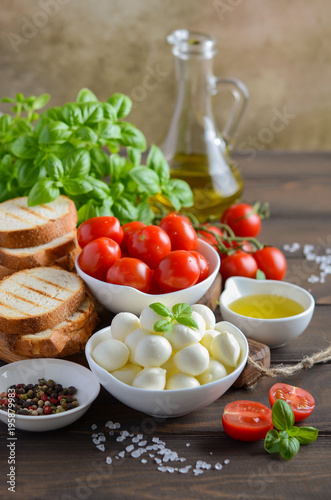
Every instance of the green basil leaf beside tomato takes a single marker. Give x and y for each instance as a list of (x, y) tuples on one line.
[(306, 435), (271, 442), (43, 191), (288, 446), (282, 415)]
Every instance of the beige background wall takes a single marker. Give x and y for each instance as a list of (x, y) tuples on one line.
[(281, 49)]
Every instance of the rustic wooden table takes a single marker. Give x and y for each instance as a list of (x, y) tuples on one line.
[(66, 464)]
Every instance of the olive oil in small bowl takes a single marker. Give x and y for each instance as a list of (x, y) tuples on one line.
[(268, 311)]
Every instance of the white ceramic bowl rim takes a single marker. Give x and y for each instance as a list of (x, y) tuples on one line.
[(143, 294), (261, 283), (93, 378)]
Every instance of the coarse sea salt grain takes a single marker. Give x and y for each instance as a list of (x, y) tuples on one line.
[(93, 427), (184, 470), (129, 448), (314, 254), (227, 461), (101, 447), (187, 445), (137, 453), (143, 461), (108, 460), (142, 443), (218, 466), (121, 454)]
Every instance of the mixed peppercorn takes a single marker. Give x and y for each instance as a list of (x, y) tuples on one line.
[(44, 398)]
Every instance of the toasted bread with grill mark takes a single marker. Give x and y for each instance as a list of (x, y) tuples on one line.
[(35, 299), (22, 226), (70, 336), (41, 255)]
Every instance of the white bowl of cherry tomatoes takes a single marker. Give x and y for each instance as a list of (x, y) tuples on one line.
[(129, 267)]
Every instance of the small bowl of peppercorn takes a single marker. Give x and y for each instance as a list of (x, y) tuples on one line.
[(44, 394)]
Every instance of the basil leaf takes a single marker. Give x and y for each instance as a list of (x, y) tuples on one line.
[(157, 162), (108, 130), (105, 208), (28, 173), (54, 132), (131, 136), (53, 114), (121, 103), (43, 191), (5, 123), (116, 189), (163, 326), (180, 190), (108, 111), (187, 321), (54, 167), (182, 308), (260, 275), (86, 211), (134, 156), (7, 99), (146, 179), (77, 163), (86, 134), (24, 147), (99, 162), (306, 435), (41, 101), (125, 210), (288, 446), (116, 164), (145, 213), (271, 441), (86, 95), (282, 415), (160, 309), (74, 187), (5, 193), (100, 190), (92, 112), (72, 114), (6, 165)]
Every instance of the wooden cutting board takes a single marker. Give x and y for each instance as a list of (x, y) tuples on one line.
[(259, 352)]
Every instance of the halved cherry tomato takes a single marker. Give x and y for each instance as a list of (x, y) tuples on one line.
[(129, 228), (238, 264), (242, 219), (178, 270), (204, 265), (272, 262), (149, 244), (247, 420), (301, 402), (97, 227), (130, 272), (182, 234), (97, 256)]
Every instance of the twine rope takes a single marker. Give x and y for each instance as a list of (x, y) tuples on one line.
[(307, 362)]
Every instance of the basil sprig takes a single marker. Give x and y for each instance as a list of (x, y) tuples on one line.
[(72, 149), (287, 439), (182, 313)]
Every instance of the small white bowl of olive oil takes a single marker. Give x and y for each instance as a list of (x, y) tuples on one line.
[(268, 311)]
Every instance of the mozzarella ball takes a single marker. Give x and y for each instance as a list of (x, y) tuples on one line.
[(170, 367), (201, 324), (152, 350), (207, 315), (132, 340), (192, 360), (208, 337), (182, 336), (111, 354), (127, 373), (148, 318), (123, 324), (153, 379), (225, 348), (181, 381), (215, 371)]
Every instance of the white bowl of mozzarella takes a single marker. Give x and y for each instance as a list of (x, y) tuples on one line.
[(167, 374)]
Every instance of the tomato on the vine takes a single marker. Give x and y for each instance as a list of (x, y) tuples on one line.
[(247, 420), (177, 214), (272, 262), (129, 228), (204, 265), (238, 264), (210, 238), (178, 270), (97, 227), (181, 233), (243, 219), (301, 401), (130, 272), (97, 256), (149, 244), (245, 246)]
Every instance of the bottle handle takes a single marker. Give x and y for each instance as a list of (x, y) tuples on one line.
[(241, 95)]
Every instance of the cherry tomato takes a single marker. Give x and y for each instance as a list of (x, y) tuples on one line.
[(204, 265), (272, 262), (238, 264), (209, 238), (177, 214), (247, 420), (242, 219), (149, 244), (301, 402), (178, 270), (129, 228), (96, 227), (97, 256), (181, 233), (244, 245), (130, 272)]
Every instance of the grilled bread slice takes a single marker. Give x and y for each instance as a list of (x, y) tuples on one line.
[(68, 337), (35, 299), (22, 226), (42, 255)]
